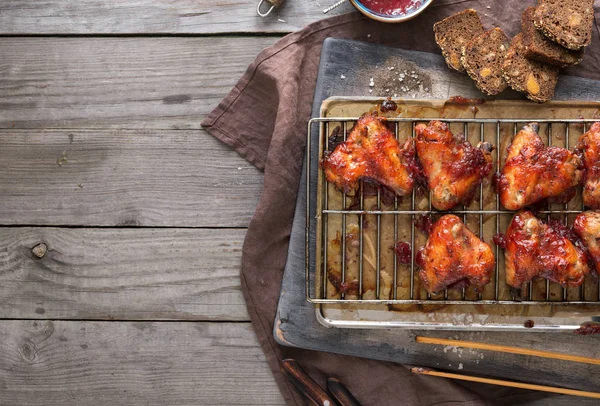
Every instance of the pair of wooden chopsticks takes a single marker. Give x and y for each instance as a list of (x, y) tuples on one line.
[(311, 390), (512, 350)]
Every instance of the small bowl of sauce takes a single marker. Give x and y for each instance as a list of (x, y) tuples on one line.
[(391, 11)]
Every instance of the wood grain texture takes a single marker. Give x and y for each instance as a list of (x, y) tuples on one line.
[(150, 83), (121, 274), (156, 16), (135, 363), (124, 178)]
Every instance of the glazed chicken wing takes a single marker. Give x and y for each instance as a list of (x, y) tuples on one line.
[(534, 248), (589, 144), (452, 254), (587, 227), (371, 151), (534, 172), (454, 168)]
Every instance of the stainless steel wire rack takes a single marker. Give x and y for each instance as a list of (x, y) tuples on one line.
[(538, 292)]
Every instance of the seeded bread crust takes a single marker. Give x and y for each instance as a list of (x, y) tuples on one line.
[(483, 58), (539, 48), (567, 22), (454, 32), (535, 79)]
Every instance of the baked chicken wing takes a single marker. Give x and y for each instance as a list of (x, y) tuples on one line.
[(371, 151), (453, 167), (589, 144), (452, 254), (587, 227), (534, 248), (534, 172)]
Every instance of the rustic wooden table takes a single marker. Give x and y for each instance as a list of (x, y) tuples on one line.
[(103, 162)]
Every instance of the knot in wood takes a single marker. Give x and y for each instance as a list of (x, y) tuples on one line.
[(40, 250), (28, 351)]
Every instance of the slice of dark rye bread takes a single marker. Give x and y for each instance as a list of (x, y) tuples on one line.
[(535, 79), (568, 22), (454, 32), (483, 58), (540, 48)]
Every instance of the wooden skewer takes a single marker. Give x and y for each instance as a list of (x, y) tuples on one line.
[(305, 384), (341, 393), (509, 349), (573, 392)]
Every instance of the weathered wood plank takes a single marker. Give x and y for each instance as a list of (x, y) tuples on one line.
[(88, 363), (124, 274), (150, 83), (156, 16), (124, 177)]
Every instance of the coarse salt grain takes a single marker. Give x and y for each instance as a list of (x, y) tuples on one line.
[(460, 366), (342, 76)]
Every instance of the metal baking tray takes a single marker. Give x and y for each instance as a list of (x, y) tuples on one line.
[(389, 294)]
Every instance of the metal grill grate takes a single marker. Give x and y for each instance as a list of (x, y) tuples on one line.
[(316, 284)]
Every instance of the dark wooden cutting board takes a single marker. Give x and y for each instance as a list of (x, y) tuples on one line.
[(345, 70)]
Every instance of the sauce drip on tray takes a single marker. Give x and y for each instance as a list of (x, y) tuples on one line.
[(392, 7)]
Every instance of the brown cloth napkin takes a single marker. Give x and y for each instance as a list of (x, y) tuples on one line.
[(264, 119)]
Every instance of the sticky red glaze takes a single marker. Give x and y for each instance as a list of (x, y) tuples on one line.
[(403, 252), (534, 172), (392, 7), (413, 165), (537, 249), (500, 240), (453, 167), (562, 230), (473, 162), (496, 181), (370, 151), (464, 100), (587, 329), (388, 105), (424, 223)]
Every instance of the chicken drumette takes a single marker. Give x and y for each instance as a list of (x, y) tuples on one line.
[(371, 152), (534, 172), (534, 248), (454, 168), (452, 254), (587, 227), (589, 144)]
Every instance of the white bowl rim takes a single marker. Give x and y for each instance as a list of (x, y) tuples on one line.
[(391, 19)]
